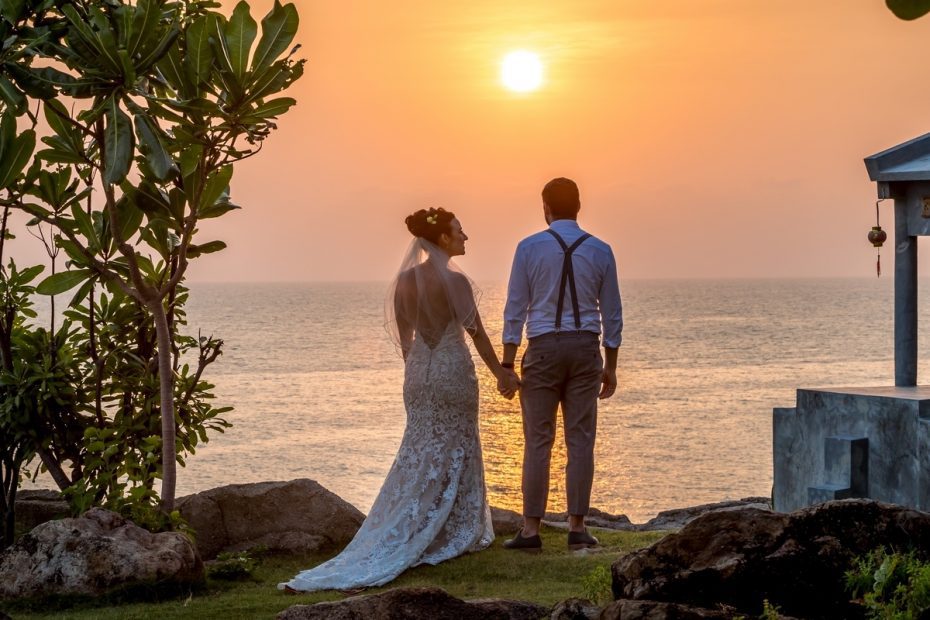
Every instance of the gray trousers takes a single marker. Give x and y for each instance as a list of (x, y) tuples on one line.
[(556, 369)]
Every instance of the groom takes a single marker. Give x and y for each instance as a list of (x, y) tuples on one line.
[(564, 288)]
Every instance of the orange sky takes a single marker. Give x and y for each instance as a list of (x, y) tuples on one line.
[(710, 138)]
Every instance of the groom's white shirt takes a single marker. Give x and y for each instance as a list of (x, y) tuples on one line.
[(537, 266)]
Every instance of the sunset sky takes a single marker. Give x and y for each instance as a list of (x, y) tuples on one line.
[(710, 138)]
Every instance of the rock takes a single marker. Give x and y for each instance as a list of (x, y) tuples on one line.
[(575, 609), (506, 522), (36, 506), (407, 603), (299, 516), (653, 610), (595, 518), (677, 518), (93, 554), (796, 561), (506, 609)]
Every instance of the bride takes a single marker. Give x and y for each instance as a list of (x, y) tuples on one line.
[(433, 504)]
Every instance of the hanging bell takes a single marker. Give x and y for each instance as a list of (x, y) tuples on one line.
[(877, 236)]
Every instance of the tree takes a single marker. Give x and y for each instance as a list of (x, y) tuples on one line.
[(150, 105)]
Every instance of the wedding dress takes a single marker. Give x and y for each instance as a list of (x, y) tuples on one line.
[(433, 504)]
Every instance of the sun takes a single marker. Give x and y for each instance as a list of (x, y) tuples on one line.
[(521, 71)]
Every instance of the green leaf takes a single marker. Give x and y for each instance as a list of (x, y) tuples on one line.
[(11, 10), (12, 96), (216, 210), (273, 108), (199, 57), (61, 282), (130, 218), (56, 116), (16, 156), (85, 225), (278, 30), (240, 33), (119, 142), (82, 31), (171, 67), (221, 51), (193, 251), (57, 156), (909, 9), (35, 210), (28, 275), (152, 146), (81, 293), (7, 132), (144, 24), (27, 79), (106, 41), (158, 52), (216, 185)]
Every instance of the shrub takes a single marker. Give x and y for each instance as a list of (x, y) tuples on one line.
[(891, 585)]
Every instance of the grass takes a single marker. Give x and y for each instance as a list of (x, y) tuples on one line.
[(552, 576)]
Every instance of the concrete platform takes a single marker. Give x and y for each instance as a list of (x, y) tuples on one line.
[(894, 423)]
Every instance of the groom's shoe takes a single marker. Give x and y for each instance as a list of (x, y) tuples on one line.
[(529, 544), (581, 540)]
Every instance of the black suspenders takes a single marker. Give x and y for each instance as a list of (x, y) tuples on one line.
[(568, 274)]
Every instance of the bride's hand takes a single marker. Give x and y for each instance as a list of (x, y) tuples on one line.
[(508, 383)]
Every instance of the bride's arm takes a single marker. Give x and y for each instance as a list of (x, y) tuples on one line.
[(402, 304), (507, 380)]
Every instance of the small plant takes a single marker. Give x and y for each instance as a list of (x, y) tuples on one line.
[(596, 585), (236, 565), (769, 611), (891, 585)]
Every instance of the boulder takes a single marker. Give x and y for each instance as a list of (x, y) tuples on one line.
[(36, 506), (677, 518), (299, 516), (407, 603), (595, 518), (743, 556), (654, 610), (94, 554), (506, 522), (575, 609)]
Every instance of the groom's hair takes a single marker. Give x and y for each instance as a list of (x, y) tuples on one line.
[(561, 196)]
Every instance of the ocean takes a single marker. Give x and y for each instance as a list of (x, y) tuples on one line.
[(317, 386)]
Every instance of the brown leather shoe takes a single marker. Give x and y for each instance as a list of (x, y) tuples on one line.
[(581, 540), (528, 544)]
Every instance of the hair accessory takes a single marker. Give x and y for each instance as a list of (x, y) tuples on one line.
[(431, 219)]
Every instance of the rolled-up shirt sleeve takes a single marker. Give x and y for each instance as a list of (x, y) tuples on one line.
[(610, 305), (518, 299)]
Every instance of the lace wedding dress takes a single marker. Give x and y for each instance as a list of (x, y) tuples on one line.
[(433, 504)]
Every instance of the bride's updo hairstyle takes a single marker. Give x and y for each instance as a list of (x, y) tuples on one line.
[(430, 223)]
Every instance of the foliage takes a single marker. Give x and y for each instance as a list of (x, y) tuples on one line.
[(121, 443), (891, 585), (596, 585), (235, 565), (18, 435), (149, 104), (909, 9), (769, 611)]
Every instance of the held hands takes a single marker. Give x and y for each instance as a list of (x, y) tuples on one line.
[(608, 383), (508, 383)]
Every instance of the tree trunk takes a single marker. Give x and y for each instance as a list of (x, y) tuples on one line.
[(168, 428), (54, 469)]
